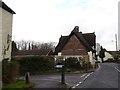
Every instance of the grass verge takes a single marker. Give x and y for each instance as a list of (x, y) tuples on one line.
[(19, 85)]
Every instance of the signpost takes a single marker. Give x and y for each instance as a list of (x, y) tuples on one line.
[(62, 71), (63, 76)]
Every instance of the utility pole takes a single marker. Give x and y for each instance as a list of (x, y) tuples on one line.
[(116, 41)]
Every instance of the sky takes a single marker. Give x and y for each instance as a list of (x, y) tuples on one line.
[(47, 20)]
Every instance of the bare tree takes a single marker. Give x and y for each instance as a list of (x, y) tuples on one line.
[(30, 45), (48, 46)]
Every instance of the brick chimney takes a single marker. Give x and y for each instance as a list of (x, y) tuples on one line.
[(76, 29)]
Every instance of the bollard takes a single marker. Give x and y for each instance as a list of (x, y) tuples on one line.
[(27, 78)]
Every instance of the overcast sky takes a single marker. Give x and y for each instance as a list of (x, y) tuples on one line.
[(47, 20)]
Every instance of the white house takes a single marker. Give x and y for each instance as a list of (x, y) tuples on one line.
[(108, 55), (111, 55), (6, 19)]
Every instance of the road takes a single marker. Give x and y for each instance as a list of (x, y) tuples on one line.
[(54, 81), (107, 76)]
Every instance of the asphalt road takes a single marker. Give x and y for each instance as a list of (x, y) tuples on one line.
[(54, 81), (107, 76)]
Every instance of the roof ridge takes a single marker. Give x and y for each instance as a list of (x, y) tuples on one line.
[(5, 7)]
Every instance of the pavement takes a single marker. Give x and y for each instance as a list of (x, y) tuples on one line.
[(54, 85), (49, 84)]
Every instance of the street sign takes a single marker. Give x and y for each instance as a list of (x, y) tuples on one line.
[(62, 73), (59, 66)]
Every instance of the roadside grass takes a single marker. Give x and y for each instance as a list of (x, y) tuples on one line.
[(18, 85)]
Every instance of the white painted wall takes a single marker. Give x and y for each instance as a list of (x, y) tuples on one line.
[(5, 29), (68, 56), (79, 57), (92, 58), (107, 56)]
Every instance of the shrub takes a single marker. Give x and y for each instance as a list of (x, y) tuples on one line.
[(10, 71), (72, 63)]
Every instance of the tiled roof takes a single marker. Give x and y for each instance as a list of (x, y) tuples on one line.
[(30, 52), (84, 41), (62, 41), (4, 6), (88, 40)]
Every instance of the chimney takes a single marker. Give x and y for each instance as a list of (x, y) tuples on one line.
[(76, 29)]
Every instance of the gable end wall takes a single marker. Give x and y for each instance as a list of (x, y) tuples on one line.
[(74, 47)]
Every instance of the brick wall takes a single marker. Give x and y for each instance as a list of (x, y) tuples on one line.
[(74, 47)]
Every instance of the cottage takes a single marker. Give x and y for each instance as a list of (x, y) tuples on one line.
[(111, 55), (77, 44), (6, 19)]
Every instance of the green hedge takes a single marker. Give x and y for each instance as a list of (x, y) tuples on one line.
[(35, 64)]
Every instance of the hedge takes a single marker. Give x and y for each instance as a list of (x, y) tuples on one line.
[(35, 64)]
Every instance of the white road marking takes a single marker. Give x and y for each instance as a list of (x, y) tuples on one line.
[(117, 69), (83, 75), (87, 76), (80, 82), (77, 85), (74, 87), (83, 80)]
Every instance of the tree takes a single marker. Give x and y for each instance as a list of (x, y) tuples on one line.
[(102, 53), (47, 46), (30, 45), (22, 45), (14, 47)]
